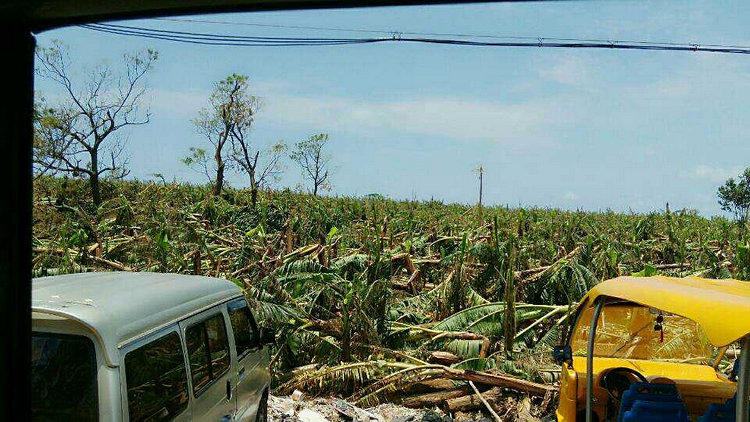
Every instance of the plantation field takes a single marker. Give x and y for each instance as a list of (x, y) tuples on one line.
[(377, 300)]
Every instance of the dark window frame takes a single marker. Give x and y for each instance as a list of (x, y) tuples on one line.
[(212, 378), (238, 305), (94, 363), (143, 343)]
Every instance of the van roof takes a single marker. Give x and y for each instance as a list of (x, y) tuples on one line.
[(121, 306), (721, 307)]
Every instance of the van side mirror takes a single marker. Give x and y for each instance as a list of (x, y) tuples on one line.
[(267, 336), (562, 354)]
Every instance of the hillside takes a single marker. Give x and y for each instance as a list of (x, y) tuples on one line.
[(365, 292)]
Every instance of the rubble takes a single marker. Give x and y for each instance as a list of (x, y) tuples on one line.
[(295, 408)]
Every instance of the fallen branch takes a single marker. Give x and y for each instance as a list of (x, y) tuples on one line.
[(113, 264), (672, 266), (471, 402), (107, 262), (544, 270), (443, 358), (487, 405), (498, 380)]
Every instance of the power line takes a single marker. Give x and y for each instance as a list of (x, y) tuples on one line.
[(217, 39), (259, 41), (278, 26), (436, 34)]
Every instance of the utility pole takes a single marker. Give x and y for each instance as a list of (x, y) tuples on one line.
[(480, 170)]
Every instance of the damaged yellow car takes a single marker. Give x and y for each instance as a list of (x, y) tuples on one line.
[(658, 349)]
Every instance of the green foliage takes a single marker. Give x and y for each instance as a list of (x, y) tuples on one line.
[(742, 261), (364, 289), (734, 196), (647, 271)]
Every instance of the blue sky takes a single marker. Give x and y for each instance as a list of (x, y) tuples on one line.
[(571, 129)]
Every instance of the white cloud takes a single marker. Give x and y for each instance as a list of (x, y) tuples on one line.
[(570, 196), (187, 103), (570, 70), (715, 174), (450, 117)]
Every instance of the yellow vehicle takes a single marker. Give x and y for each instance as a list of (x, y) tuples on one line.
[(649, 349)]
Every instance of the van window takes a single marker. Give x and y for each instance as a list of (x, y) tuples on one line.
[(157, 380), (243, 325), (626, 331), (208, 351), (63, 378)]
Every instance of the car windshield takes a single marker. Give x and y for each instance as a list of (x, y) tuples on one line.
[(63, 378), (631, 331)]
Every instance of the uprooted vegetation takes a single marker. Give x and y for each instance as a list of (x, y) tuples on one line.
[(377, 300)]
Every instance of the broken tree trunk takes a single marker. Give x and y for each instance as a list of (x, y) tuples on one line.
[(471, 402), (485, 402), (443, 358), (429, 386), (415, 282), (115, 265), (434, 399), (195, 256), (497, 380)]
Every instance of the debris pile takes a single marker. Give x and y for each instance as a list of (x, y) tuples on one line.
[(298, 408)]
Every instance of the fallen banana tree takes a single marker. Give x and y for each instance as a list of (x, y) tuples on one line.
[(376, 380)]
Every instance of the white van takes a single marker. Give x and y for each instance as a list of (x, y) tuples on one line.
[(127, 346)]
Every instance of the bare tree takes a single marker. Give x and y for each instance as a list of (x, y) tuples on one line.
[(227, 123), (315, 164), (217, 121), (81, 135), (248, 161)]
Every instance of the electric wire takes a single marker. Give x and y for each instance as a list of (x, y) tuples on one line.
[(436, 34), (261, 41)]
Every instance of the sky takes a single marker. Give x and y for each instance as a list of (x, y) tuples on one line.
[(572, 129)]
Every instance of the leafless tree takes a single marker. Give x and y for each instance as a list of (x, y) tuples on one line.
[(260, 176), (313, 161), (80, 135), (215, 123), (227, 123)]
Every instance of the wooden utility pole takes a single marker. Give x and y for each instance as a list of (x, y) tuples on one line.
[(480, 170), (481, 173)]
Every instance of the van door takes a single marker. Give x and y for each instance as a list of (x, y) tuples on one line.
[(207, 345), (251, 373), (154, 378)]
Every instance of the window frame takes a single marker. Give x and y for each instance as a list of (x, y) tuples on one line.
[(201, 319), (236, 305), (137, 344), (94, 365)]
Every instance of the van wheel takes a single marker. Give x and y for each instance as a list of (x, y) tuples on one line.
[(262, 414)]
